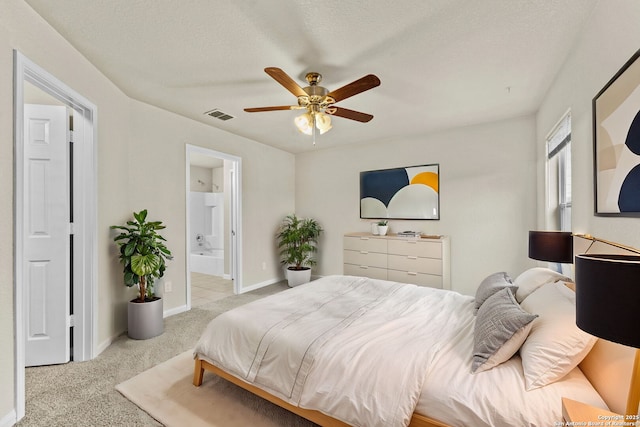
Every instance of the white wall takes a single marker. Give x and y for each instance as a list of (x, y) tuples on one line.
[(217, 179), (609, 39), (21, 28), (141, 164), (487, 201), (201, 179), (158, 184), (487, 172)]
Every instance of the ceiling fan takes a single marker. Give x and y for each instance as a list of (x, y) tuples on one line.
[(319, 101)]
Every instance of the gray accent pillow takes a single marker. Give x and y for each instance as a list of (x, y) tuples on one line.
[(499, 320), (491, 284)]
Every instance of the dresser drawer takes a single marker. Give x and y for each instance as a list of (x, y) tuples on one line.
[(415, 264), (363, 270), (370, 259), (423, 262), (356, 243), (416, 247), (420, 279)]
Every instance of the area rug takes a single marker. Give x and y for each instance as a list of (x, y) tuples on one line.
[(166, 393)]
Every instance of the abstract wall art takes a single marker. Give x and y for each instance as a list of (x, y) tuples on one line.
[(616, 137), (401, 193)]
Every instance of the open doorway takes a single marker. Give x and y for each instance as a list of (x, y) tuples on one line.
[(213, 225), (49, 170)]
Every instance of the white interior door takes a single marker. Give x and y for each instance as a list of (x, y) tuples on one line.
[(46, 231), (234, 227)]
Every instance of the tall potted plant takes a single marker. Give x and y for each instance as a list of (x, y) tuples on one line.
[(143, 255), (297, 241)]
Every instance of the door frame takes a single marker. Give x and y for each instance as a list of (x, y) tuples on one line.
[(85, 218), (235, 222)]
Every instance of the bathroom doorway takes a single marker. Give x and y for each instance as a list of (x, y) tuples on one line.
[(213, 195)]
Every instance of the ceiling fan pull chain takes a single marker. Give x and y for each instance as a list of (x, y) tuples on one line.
[(313, 126)]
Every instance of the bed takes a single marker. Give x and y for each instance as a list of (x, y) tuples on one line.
[(346, 350)]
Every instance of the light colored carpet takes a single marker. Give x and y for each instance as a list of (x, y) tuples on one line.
[(83, 393), (167, 394)]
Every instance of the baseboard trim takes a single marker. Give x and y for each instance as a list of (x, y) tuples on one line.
[(9, 420), (269, 282), (173, 311), (105, 344), (259, 285)]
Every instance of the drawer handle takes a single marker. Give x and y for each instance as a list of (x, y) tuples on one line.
[(412, 257), (364, 267), (364, 252), (411, 242), (411, 273), (364, 238)]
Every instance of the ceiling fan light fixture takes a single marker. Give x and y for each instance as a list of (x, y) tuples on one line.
[(323, 122), (319, 101), (304, 123)]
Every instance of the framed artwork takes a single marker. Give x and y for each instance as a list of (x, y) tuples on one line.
[(401, 193), (616, 143)]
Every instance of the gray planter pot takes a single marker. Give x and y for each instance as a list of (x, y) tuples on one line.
[(145, 320), (298, 277)]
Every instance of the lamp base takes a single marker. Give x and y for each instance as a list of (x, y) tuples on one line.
[(634, 387)]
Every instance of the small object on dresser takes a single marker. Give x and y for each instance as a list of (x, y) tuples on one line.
[(383, 227), (374, 228), (409, 234)]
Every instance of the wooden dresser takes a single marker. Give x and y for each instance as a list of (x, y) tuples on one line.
[(400, 259)]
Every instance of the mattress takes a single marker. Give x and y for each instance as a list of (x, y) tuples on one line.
[(371, 352), (496, 397)]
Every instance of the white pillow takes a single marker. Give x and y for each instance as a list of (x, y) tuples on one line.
[(555, 344), (501, 328), (531, 279)]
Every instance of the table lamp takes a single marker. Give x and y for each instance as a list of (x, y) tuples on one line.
[(551, 246), (608, 303)]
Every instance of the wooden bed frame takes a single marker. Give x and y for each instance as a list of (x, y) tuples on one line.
[(611, 383), (608, 367), (317, 417)]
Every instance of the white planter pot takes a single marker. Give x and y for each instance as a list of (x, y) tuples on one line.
[(298, 277), (382, 230), (145, 320), (374, 229)]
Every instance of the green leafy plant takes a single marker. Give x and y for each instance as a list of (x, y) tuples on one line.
[(297, 240), (142, 253), (383, 222)]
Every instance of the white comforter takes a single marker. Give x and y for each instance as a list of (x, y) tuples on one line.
[(353, 348)]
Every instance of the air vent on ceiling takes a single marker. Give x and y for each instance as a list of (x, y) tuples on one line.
[(221, 115)]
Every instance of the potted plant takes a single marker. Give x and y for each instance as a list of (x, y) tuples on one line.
[(143, 255), (382, 227), (297, 240)]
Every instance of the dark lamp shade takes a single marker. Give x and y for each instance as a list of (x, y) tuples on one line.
[(552, 246), (608, 297)]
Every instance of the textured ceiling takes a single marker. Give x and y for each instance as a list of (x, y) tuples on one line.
[(442, 63)]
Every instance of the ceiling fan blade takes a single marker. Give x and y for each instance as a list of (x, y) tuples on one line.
[(278, 108), (349, 114), (283, 78), (365, 83)]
